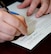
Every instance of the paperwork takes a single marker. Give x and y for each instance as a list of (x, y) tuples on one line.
[(38, 28)]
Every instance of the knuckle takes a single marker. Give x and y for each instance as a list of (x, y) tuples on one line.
[(18, 24), (12, 31), (8, 38), (2, 36)]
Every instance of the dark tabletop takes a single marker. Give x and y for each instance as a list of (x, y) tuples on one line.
[(44, 47)]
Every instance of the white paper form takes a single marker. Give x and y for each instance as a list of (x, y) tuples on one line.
[(40, 27)]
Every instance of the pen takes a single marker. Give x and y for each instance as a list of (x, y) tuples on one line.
[(2, 5)]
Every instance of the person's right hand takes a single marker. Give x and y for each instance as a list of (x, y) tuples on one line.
[(10, 25)]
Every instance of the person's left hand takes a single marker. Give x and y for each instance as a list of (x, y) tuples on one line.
[(44, 9), (49, 9)]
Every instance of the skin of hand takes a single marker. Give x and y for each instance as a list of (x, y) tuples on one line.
[(44, 9), (11, 25), (2, 9), (49, 9)]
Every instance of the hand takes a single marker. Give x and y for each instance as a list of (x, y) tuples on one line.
[(11, 25), (49, 9), (2, 9), (33, 4)]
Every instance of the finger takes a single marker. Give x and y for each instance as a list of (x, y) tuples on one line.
[(24, 4), (42, 10), (49, 9), (3, 9), (18, 33), (32, 7), (23, 26), (4, 27), (1, 41), (15, 22), (5, 37), (22, 19)]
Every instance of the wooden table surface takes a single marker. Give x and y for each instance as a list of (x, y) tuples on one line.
[(44, 47)]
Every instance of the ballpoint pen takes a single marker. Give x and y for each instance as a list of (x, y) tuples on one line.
[(2, 5)]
